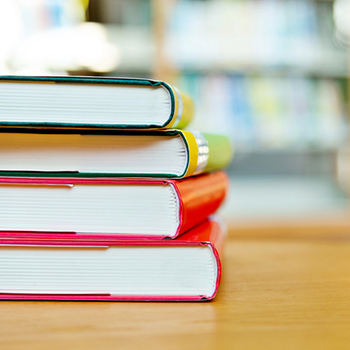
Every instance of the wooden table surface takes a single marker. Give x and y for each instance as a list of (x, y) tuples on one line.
[(276, 293)]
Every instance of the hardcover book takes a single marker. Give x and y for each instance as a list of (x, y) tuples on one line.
[(107, 208), (187, 268), (162, 154), (91, 103)]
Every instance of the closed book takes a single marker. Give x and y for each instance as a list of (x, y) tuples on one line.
[(107, 208), (187, 268), (92, 103), (161, 154)]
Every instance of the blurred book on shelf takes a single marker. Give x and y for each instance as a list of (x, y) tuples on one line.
[(291, 34), (268, 73), (270, 112)]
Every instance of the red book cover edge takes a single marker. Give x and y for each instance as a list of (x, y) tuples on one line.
[(198, 198)]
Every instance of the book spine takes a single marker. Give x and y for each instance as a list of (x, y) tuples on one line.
[(206, 152), (200, 197), (220, 151), (183, 108)]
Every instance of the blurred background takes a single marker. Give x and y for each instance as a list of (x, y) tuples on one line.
[(273, 75)]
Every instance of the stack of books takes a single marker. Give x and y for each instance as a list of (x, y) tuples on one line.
[(103, 196)]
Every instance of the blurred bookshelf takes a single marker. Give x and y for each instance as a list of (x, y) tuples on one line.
[(272, 75)]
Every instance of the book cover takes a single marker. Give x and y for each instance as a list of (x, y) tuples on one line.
[(168, 270), (156, 154), (107, 208), (92, 103)]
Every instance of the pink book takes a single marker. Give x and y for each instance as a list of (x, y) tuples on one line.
[(187, 268)]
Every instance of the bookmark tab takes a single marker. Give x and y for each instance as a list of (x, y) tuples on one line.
[(203, 152)]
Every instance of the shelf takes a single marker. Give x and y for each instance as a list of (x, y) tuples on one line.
[(327, 64), (339, 72), (135, 42), (285, 150)]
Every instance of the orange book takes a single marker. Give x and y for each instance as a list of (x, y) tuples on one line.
[(107, 208)]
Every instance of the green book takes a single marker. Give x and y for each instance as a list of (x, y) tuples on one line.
[(92, 103)]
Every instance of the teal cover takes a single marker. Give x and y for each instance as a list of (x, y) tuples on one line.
[(89, 80)]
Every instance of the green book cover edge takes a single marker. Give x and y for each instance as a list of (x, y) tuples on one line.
[(90, 80)]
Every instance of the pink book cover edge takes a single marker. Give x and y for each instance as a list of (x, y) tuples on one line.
[(208, 233)]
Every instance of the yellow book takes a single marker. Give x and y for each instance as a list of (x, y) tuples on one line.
[(162, 153)]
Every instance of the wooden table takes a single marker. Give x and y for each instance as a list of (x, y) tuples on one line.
[(276, 293)]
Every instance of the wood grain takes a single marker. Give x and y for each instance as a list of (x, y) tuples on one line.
[(305, 227), (275, 294)]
